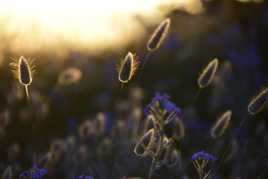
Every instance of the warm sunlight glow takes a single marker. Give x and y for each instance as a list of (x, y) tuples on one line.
[(31, 26)]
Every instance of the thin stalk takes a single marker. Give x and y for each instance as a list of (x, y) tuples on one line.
[(151, 169), (27, 91)]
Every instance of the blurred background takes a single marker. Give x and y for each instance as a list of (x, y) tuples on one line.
[(80, 113)]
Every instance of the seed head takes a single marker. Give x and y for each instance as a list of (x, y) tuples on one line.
[(259, 102), (127, 68), (221, 125), (23, 71), (207, 75), (158, 36), (149, 144)]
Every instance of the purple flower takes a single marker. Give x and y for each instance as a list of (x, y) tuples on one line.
[(164, 103), (34, 173), (25, 174), (203, 155), (82, 177), (202, 162)]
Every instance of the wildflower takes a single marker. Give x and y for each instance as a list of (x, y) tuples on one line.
[(23, 71), (162, 114), (83, 177), (33, 173), (25, 175), (159, 35), (221, 125), (201, 161), (127, 68), (258, 103), (161, 101), (207, 75)]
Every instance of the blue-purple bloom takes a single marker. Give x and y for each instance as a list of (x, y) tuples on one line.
[(34, 173), (82, 177), (164, 102), (203, 155), (202, 162)]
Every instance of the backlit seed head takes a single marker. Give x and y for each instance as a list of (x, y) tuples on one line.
[(159, 35), (258, 102), (149, 144), (23, 71), (221, 125), (207, 75), (127, 68)]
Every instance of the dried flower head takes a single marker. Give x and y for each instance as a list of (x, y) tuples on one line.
[(127, 68), (158, 36), (207, 75), (23, 71), (221, 124), (258, 103)]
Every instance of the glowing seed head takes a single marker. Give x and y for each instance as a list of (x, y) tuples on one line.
[(149, 144), (127, 68), (259, 102), (207, 75), (23, 71), (159, 35), (25, 74), (221, 125)]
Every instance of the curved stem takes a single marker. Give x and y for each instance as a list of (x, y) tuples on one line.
[(197, 95), (147, 56)]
